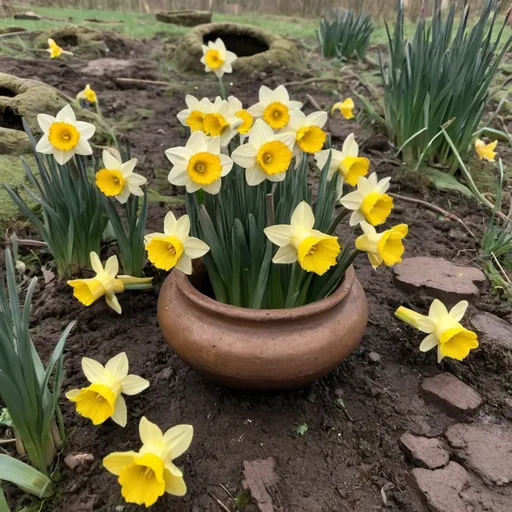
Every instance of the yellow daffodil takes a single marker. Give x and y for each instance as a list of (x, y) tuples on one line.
[(146, 475), (106, 283), (221, 122), (117, 179), (216, 58), (174, 247), (486, 151), (64, 136), (266, 156), (386, 247), (370, 201), (103, 398), (307, 130), (346, 107), (55, 50), (443, 329), (298, 241), (274, 106), (247, 119), (193, 116), (87, 94), (347, 163), (199, 165)]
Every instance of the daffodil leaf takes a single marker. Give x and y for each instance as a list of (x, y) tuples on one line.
[(444, 181)]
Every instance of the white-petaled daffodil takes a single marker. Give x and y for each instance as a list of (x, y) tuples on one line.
[(193, 115), (103, 398), (347, 163), (386, 247), (221, 122), (174, 247), (117, 179), (216, 58), (199, 165), (443, 328), (146, 475), (266, 155), (247, 119), (55, 50), (298, 241), (309, 136), (345, 107), (370, 201), (106, 283), (274, 106), (486, 151), (64, 136)]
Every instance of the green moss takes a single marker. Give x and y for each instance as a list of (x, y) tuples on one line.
[(14, 142), (485, 175)]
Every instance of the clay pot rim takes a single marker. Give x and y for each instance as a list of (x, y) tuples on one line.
[(237, 312)]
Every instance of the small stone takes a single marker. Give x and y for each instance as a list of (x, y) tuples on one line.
[(487, 449), (493, 329), (160, 131), (439, 278), (165, 374), (441, 487), (311, 397), (423, 451), (73, 461), (451, 394), (338, 392), (374, 358)]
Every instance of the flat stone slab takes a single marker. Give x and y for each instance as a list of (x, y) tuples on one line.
[(493, 329), (439, 278), (423, 451), (450, 394), (441, 487), (487, 449)]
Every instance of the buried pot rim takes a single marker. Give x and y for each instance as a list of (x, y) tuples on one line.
[(262, 315)]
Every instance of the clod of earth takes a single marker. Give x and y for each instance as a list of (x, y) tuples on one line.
[(439, 278), (423, 451), (185, 17), (260, 479), (257, 49), (493, 329)]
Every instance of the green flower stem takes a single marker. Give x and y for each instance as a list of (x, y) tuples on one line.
[(344, 212), (222, 88), (138, 286)]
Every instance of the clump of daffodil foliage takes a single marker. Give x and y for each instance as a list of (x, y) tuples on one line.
[(266, 241)]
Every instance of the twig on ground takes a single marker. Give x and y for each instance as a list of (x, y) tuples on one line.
[(505, 275), (12, 34), (219, 502), (7, 441), (325, 79), (141, 81), (437, 209), (227, 491), (313, 102), (31, 243)]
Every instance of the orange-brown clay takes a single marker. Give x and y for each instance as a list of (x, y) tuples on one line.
[(261, 349)]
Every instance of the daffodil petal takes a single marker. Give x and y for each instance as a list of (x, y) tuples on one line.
[(118, 366), (286, 255), (93, 370), (95, 262), (428, 343), (437, 309), (174, 485), (120, 414), (116, 461), (303, 216), (133, 385), (178, 439), (149, 433), (459, 310)]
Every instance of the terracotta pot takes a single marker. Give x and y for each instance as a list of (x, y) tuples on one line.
[(265, 349)]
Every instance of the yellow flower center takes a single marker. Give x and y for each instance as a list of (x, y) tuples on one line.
[(213, 59), (276, 115), (214, 124), (376, 208), (390, 246), (352, 167), (142, 482), (247, 123), (311, 139), (165, 251), (204, 168), (90, 95), (456, 342), (96, 402), (195, 121), (63, 136), (110, 181), (274, 157), (318, 253)]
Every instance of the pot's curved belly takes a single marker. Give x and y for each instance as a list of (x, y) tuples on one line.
[(263, 353)]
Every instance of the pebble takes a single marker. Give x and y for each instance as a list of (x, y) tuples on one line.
[(311, 397), (374, 358)]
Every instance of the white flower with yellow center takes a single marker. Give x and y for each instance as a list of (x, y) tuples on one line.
[(193, 115), (199, 165), (146, 475), (174, 247), (370, 201), (347, 163), (117, 179), (103, 398), (239, 111), (221, 122), (274, 106), (266, 156), (216, 58), (64, 136), (298, 241), (309, 136), (443, 328), (386, 247)]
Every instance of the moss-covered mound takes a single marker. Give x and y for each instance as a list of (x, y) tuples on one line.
[(257, 49), (185, 17), (22, 98)]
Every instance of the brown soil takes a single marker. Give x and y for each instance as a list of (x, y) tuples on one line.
[(354, 416)]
